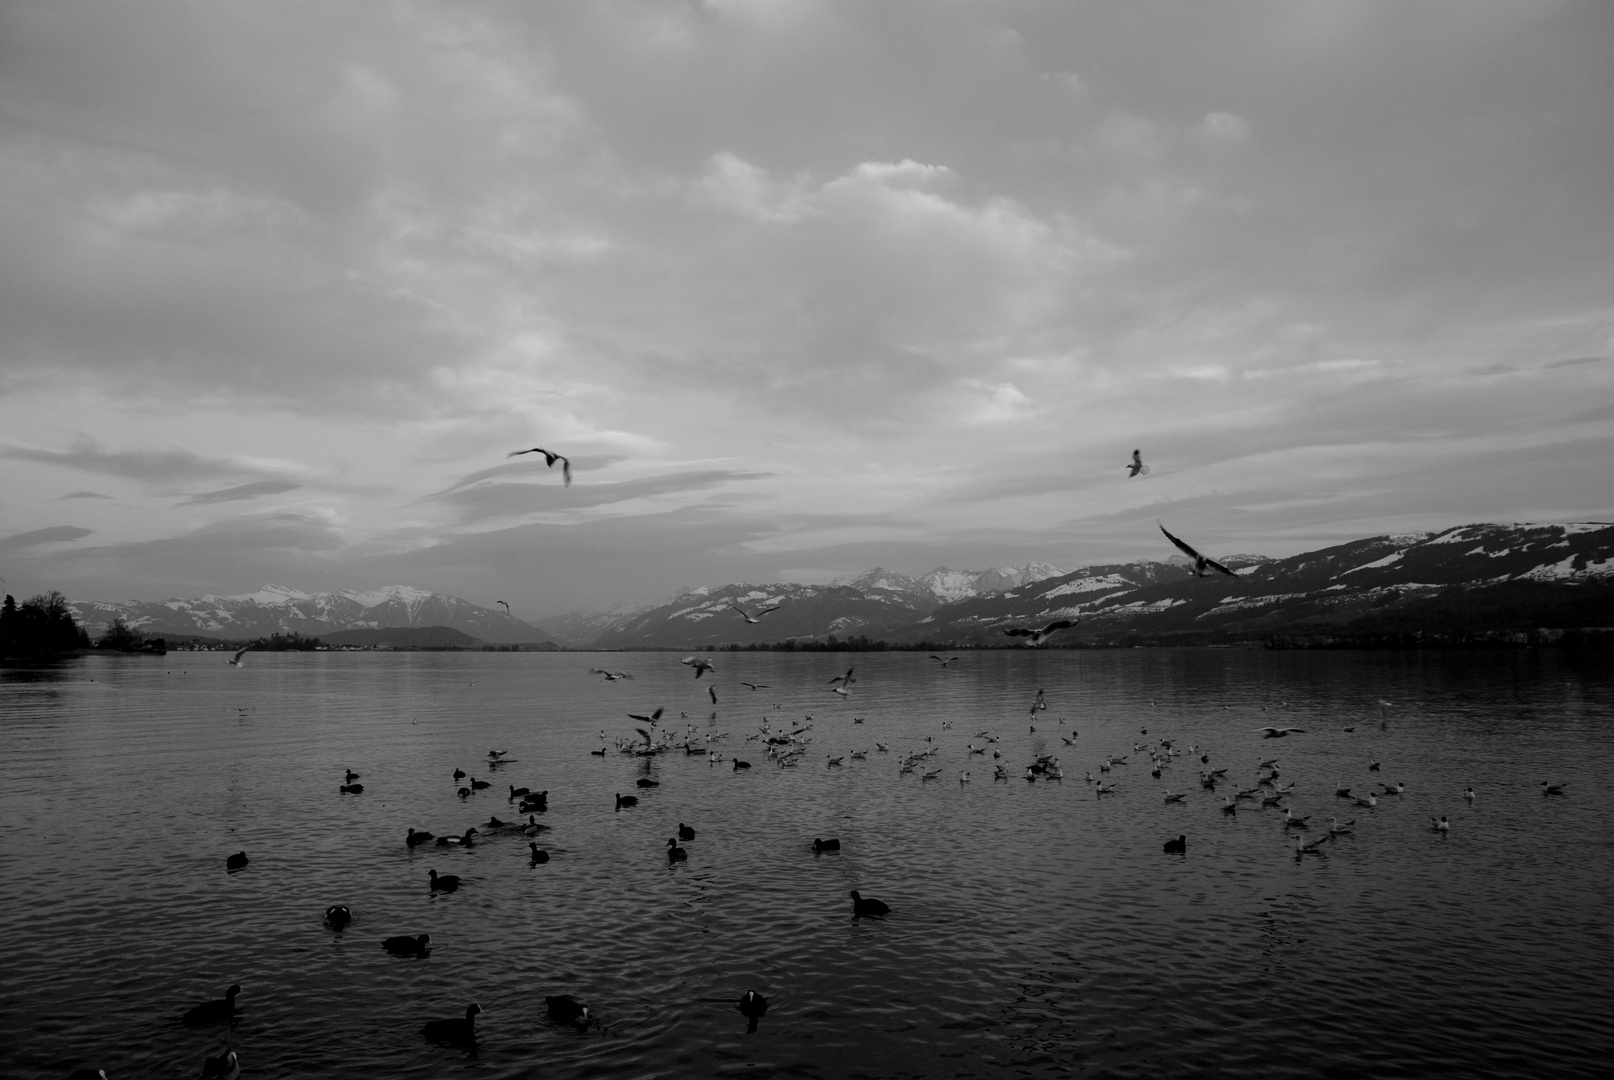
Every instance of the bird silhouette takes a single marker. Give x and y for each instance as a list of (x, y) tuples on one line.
[(1137, 468), (1035, 638), (551, 457), (750, 618), (1200, 561)]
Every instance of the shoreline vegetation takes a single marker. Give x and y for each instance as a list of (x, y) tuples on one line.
[(44, 627)]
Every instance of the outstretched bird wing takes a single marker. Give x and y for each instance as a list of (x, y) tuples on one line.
[(1062, 624), (550, 457), (1184, 548), (1219, 566)]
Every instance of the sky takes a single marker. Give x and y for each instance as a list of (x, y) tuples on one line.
[(799, 288)]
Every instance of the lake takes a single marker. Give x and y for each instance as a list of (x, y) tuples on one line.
[(1036, 928)]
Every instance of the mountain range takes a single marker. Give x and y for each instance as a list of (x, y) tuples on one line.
[(1472, 580), (275, 609)]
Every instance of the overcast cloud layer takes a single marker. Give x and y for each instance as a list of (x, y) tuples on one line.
[(799, 288)]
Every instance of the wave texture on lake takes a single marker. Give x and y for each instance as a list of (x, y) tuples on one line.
[(1036, 928)]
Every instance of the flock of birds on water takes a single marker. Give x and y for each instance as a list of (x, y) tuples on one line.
[(787, 746)]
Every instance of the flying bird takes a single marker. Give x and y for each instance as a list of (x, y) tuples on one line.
[(1035, 638), (1278, 732), (750, 618), (506, 606), (944, 661), (551, 458), (651, 719), (235, 661), (755, 686), (701, 666), (610, 676), (845, 679), (1137, 468), (712, 691), (1200, 561)]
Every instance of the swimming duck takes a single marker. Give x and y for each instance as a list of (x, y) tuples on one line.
[(478, 785), (626, 800), (238, 861), (565, 1009), (404, 945), (674, 852), (539, 855), (224, 1067), (444, 882), (351, 776), (213, 1012), (337, 916), (869, 906), (417, 838), (351, 789), (752, 1006), (453, 1030), (685, 832), (832, 844), (1552, 789), (1440, 826), (532, 828), (514, 791), (459, 774)]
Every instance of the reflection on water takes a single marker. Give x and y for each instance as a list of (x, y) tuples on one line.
[(1035, 928)]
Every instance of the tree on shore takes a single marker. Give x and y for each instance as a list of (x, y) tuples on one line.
[(40, 626), (121, 637)]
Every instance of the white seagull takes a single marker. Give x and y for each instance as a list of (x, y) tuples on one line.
[(1035, 638), (1137, 468), (701, 666), (235, 661), (750, 618)]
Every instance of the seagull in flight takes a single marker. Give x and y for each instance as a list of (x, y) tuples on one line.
[(506, 606), (235, 661), (755, 686), (944, 661), (750, 618), (610, 676), (1137, 468), (701, 666), (1035, 638), (651, 719), (1278, 732), (1200, 561), (847, 678), (551, 457)]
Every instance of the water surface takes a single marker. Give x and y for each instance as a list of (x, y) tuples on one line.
[(1036, 929)]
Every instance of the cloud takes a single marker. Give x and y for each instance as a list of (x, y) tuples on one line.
[(50, 535), (151, 466), (253, 490), (85, 495), (476, 498)]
